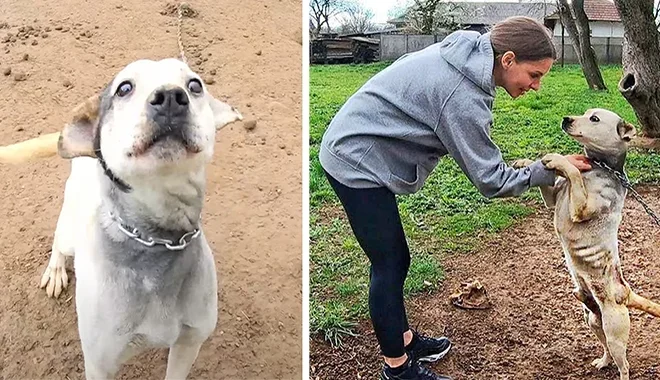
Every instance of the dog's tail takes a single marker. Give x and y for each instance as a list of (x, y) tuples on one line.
[(39, 147), (640, 303)]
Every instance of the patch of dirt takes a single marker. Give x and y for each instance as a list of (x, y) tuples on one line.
[(172, 9), (534, 329), (253, 204)]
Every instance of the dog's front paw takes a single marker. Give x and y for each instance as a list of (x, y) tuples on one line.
[(522, 163), (603, 362), (554, 161), (55, 278)]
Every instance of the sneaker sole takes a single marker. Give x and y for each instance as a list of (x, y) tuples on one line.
[(436, 357)]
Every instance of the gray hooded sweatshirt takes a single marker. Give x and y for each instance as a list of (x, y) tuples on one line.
[(425, 105)]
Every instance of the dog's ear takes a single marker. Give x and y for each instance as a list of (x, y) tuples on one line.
[(224, 114), (626, 130), (77, 137)]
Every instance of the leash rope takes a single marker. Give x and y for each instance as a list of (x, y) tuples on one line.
[(623, 178), (178, 32)]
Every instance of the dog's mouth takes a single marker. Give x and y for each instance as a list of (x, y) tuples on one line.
[(567, 127), (576, 136), (569, 131), (169, 140)]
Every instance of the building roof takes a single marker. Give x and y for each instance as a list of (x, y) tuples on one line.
[(601, 10), (598, 10)]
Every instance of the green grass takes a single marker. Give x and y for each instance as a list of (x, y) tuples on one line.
[(448, 215)]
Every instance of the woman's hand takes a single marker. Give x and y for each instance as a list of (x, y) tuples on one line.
[(579, 161)]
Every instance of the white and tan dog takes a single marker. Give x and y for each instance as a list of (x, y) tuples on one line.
[(131, 214), (588, 211)]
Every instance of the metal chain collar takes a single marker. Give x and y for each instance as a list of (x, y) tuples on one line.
[(150, 241), (626, 183)]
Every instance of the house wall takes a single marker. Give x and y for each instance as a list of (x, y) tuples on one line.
[(608, 49), (598, 29)]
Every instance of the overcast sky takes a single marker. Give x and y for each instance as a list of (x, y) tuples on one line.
[(381, 7)]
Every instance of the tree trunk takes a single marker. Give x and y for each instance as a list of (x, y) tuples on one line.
[(580, 34), (645, 143), (589, 59), (640, 84), (317, 29), (569, 24)]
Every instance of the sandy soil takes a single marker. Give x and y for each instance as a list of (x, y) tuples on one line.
[(253, 205), (535, 328)]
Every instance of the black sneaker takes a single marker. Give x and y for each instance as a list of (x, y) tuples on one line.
[(410, 370), (428, 349)]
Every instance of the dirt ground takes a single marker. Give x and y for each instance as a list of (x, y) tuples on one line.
[(253, 205), (535, 328)]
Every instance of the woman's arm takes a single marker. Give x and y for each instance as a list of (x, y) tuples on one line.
[(463, 128)]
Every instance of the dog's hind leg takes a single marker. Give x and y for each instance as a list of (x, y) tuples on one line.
[(595, 323), (616, 326), (592, 317)]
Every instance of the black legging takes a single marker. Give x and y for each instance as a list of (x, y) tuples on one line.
[(374, 218)]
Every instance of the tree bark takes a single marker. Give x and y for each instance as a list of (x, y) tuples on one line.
[(645, 143), (577, 24), (589, 59), (566, 17), (640, 84)]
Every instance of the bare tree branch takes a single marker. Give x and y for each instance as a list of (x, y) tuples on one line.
[(356, 18), (320, 12), (429, 16)]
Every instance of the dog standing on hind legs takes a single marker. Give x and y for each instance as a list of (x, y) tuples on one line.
[(588, 211), (145, 274)]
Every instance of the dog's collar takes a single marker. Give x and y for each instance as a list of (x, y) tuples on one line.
[(620, 174), (150, 241), (123, 186)]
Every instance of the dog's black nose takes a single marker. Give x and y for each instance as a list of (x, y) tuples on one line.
[(566, 122), (171, 102)]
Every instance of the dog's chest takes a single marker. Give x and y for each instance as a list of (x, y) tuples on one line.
[(142, 301), (146, 295), (591, 240), (159, 326)]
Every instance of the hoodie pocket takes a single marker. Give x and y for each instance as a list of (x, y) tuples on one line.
[(406, 186)]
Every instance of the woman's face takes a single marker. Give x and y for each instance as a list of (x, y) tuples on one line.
[(519, 77)]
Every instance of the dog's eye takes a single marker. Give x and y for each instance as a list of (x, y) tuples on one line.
[(195, 86), (594, 119), (124, 89)]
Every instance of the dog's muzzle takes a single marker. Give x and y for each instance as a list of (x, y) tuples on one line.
[(169, 108), (566, 123), (169, 112)]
